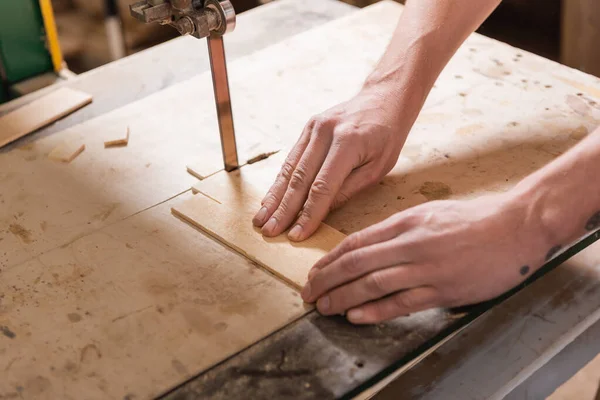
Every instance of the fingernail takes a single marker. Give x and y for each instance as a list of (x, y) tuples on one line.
[(306, 292), (355, 315), (260, 217), (270, 226), (295, 233), (323, 304)]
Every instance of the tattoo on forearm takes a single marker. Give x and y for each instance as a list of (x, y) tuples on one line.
[(593, 222), (552, 252), (524, 270)]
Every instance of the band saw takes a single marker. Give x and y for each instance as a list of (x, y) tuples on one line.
[(210, 19)]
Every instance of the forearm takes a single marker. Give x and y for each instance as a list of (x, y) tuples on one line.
[(563, 198), (428, 34)]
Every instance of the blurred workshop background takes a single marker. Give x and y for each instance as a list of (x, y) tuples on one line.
[(94, 32), (551, 28)]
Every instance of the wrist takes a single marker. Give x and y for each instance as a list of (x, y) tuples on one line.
[(543, 213), (398, 99)]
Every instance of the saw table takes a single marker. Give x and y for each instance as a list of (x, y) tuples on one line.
[(105, 294)]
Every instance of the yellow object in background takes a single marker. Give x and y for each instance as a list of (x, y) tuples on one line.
[(51, 34)]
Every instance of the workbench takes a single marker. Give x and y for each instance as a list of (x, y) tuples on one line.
[(483, 351)]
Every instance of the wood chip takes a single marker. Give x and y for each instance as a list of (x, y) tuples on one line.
[(66, 152), (118, 142)]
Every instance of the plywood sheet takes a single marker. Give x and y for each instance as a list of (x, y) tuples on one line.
[(231, 223), (132, 310), (40, 112)]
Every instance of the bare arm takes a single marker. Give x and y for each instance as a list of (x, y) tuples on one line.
[(353, 145)]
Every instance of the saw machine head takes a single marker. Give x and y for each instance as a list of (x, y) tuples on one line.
[(202, 19), (199, 18)]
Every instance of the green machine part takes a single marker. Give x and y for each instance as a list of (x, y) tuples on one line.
[(23, 51)]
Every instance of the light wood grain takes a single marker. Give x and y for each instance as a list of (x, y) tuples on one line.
[(132, 309), (40, 112)]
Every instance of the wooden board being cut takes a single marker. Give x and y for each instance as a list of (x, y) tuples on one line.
[(227, 216), (40, 112)]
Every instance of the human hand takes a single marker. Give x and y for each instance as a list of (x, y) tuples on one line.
[(339, 153), (439, 254)]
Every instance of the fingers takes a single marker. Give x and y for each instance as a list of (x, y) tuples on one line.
[(396, 305), (299, 183), (336, 168), (375, 285), (353, 265), (380, 232), (275, 194)]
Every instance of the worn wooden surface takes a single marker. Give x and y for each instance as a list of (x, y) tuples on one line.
[(495, 115)]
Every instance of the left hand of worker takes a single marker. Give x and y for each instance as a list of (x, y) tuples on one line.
[(438, 254)]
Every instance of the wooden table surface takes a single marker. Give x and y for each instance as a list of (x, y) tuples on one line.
[(327, 357)]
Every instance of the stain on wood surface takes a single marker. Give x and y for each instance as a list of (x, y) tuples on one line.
[(19, 231), (435, 190)]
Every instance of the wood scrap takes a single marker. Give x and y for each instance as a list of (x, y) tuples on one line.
[(66, 151), (201, 170), (118, 142), (40, 112)]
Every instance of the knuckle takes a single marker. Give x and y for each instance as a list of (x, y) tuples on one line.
[(404, 301), (298, 178), (269, 199), (319, 120), (353, 241), (287, 169), (320, 188), (351, 262), (281, 210), (374, 175), (305, 215), (377, 284)]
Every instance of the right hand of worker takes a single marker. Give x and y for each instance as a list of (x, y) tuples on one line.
[(340, 152)]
